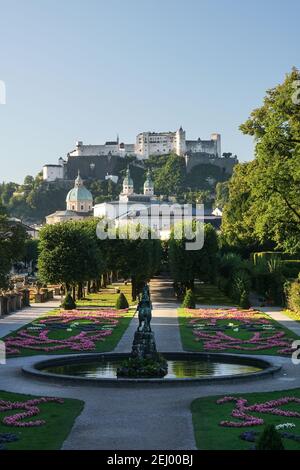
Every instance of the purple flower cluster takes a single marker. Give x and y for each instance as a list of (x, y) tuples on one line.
[(259, 341), (219, 341), (242, 410), (31, 409), (84, 341)]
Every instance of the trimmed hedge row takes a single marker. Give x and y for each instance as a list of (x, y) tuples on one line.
[(293, 296)]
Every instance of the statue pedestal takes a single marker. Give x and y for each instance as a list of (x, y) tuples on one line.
[(143, 346)]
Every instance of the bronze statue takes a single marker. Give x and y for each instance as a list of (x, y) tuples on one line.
[(144, 310)]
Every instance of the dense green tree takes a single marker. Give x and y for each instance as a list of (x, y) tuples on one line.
[(188, 265), (264, 196), (169, 179), (138, 259), (204, 176), (12, 240), (222, 194), (31, 252), (239, 215), (69, 254), (6, 192)]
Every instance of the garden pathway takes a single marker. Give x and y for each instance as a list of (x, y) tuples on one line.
[(164, 322), (277, 314), (16, 320)]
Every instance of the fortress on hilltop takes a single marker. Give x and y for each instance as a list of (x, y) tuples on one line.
[(98, 161)]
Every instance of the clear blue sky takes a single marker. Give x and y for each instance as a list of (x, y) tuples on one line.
[(89, 69)]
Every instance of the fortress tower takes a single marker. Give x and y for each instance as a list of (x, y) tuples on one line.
[(217, 139), (180, 146)]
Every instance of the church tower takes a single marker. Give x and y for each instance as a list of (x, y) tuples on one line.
[(148, 185), (127, 184)]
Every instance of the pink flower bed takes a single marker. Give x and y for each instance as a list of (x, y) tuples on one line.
[(84, 341), (220, 341), (242, 411), (30, 409)]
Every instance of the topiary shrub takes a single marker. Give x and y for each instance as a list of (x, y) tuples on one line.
[(189, 300), (121, 302), (68, 302), (269, 439)]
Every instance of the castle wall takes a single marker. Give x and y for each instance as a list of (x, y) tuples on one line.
[(91, 166), (226, 164)]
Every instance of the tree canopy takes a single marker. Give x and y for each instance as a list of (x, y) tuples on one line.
[(187, 265), (264, 195), (12, 241)]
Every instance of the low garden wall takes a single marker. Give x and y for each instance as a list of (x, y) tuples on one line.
[(13, 301)]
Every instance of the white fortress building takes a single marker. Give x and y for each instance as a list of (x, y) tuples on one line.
[(109, 148), (93, 157), (160, 143)]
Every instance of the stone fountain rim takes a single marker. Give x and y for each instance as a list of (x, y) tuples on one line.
[(36, 369)]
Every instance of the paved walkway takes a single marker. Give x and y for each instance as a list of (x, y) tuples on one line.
[(14, 321), (148, 417), (164, 321), (277, 314)]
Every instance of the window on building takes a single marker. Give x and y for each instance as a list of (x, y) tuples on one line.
[(82, 207)]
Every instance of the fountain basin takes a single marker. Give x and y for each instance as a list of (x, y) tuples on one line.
[(183, 368)]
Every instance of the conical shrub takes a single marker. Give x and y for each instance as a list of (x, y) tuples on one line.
[(121, 302), (189, 300), (269, 439), (68, 302)]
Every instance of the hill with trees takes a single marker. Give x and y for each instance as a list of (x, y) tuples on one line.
[(35, 198)]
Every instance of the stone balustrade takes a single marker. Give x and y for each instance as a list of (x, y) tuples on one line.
[(12, 301)]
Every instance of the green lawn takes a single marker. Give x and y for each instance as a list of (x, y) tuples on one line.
[(209, 294), (294, 315), (108, 344), (190, 343), (210, 435), (107, 297), (49, 436)]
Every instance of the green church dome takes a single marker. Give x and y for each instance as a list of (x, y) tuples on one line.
[(79, 192)]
